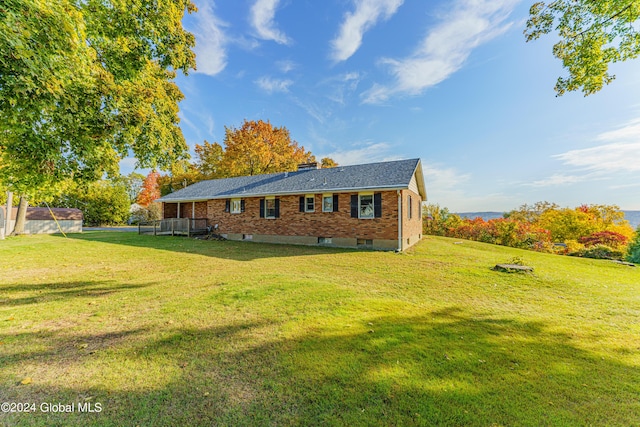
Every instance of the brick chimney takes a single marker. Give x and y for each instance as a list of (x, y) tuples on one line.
[(308, 166)]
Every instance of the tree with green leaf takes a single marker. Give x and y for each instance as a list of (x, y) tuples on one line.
[(103, 202), (210, 160), (633, 251), (85, 83), (133, 183), (593, 34)]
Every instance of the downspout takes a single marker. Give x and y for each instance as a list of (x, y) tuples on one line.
[(399, 220), (178, 216), (193, 210)]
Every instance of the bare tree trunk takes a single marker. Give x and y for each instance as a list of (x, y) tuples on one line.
[(7, 224), (21, 216)]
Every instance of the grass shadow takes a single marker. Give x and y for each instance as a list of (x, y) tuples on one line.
[(53, 291), (230, 250), (446, 367)]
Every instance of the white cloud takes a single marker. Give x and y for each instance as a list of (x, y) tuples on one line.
[(341, 86), (271, 85), (128, 163), (615, 157), (211, 55), (629, 132), (319, 113), (458, 191), (262, 15), (356, 23), (557, 179), (369, 153), (286, 66), (445, 48), (184, 120), (443, 178), (621, 154)]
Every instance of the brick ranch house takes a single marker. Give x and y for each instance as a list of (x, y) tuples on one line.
[(377, 205)]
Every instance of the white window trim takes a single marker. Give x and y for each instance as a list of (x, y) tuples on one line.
[(236, 206), (306, 206)]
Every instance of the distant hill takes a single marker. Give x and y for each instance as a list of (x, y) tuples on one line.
[(632, 216), (484, 215)]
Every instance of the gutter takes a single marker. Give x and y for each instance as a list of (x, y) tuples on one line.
[(399, 220)]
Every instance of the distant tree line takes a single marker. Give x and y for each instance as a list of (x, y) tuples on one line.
[(594, 231)]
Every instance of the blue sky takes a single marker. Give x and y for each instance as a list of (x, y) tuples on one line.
[(451, 82)]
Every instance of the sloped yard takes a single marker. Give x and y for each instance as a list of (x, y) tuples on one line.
[(169, 331)]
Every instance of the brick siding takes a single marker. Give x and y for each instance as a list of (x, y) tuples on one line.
[(292, 222)]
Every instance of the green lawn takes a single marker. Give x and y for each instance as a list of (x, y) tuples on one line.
[(162, 331)]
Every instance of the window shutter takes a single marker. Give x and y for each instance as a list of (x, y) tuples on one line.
[(301, 203), (354, 206), (242, 205), (261, 208), (335, 203), (377, 205), (277, 208), (227, 205)]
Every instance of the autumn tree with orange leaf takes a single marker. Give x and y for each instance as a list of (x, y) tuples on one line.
[(150, 189)]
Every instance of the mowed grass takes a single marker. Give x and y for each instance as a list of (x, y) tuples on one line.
[(164, 331)]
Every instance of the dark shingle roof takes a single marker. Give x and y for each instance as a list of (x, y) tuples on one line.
[(385, 175)]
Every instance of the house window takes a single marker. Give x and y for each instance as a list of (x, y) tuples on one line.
[(365, 206), (409, 207), (366, 243), (327, 203), (309, 204), (324, 240), (270, 207), (237, 206)]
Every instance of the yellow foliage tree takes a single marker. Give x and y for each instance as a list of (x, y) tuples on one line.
[(257, 148)]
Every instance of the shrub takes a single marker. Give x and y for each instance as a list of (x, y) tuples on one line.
[(502, 231), (573, 246), (633, 250), (438, 221), (607, 238), (599, 252), (142, 214)]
